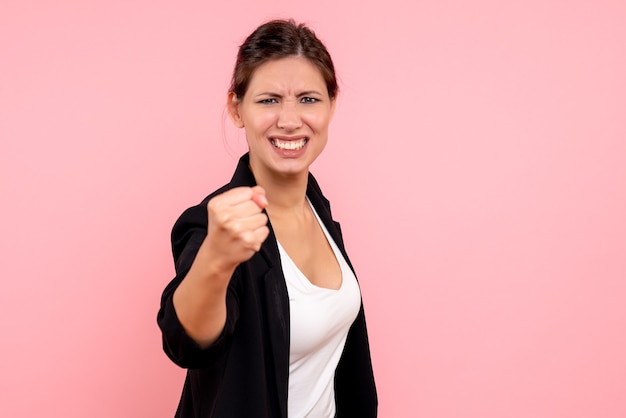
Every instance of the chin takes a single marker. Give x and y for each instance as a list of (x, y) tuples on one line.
[(291, 168)]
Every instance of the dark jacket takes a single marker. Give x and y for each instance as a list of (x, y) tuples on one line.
[(245, 373)]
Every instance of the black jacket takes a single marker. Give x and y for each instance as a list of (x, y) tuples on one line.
[(245, 373)]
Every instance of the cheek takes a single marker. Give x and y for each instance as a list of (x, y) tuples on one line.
[(259, 123), (318, 122)]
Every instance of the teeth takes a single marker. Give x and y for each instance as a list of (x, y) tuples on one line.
[(289, 145)]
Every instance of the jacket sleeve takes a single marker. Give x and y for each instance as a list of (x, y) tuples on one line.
[(188, 234)]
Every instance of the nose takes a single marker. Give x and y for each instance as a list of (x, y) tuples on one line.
[(289, 117)]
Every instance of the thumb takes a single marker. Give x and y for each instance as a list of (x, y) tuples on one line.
[(258, 196)]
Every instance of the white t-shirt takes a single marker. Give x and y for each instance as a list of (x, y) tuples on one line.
[(320, 320)]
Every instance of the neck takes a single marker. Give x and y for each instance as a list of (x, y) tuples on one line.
[(285, 193)]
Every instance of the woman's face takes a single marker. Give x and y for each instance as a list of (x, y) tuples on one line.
[(285, 112)]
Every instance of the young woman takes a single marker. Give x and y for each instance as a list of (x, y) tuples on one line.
[(265, 311)]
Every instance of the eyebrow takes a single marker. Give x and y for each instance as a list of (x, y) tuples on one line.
[(309, 92), (304, 93)]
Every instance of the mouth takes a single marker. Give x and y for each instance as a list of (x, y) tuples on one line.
[(289, 145)]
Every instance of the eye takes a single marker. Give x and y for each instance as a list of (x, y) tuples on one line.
[(308, 100), (270, 100)]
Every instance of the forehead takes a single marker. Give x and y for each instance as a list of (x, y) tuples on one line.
[(292, 73)]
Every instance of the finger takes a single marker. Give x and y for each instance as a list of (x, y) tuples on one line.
[(234, 196), (258, 196), (254, 239), (242, 226), (262, 233), (229, 213)]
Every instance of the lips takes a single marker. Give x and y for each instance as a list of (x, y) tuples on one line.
[(289, 144)]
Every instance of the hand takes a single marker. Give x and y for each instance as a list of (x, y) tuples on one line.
[(237, 225)]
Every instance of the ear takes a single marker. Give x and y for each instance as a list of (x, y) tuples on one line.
[(232, 105)]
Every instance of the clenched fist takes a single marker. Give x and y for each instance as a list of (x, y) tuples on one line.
[(237, 225)]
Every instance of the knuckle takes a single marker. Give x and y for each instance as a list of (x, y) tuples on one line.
[(223, 219), (235, 227), (214, 201), (214, 207), (247, 238), (251, 242)]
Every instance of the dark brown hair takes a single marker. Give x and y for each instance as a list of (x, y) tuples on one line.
[(281, 39)]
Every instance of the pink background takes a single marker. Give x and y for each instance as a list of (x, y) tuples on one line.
[(477, 163)]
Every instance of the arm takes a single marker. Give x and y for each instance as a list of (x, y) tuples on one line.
[(236, 229), (200, 299), (207, 248)]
